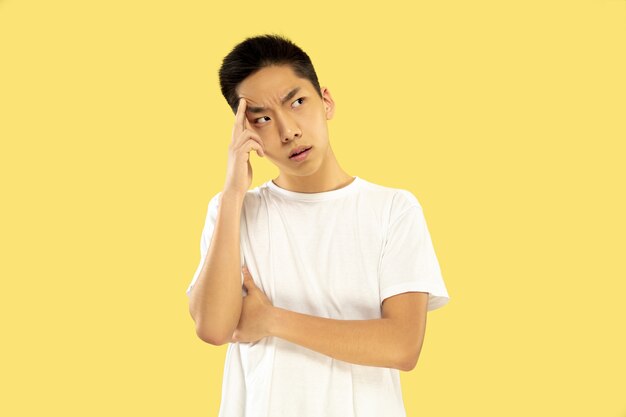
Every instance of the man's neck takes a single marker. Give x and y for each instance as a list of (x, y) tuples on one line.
[(329, 177)]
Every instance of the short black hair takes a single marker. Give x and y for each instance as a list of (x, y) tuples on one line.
[(255, 53)]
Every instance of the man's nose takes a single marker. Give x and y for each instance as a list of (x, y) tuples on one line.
[(289, 129)]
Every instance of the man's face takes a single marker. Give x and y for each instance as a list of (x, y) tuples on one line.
[(286, 112)]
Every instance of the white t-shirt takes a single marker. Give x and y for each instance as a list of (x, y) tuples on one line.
[(336, 254)]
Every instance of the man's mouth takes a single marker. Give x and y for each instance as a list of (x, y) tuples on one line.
[(304, 150)]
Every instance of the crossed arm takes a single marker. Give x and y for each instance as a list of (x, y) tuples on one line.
[(393, 341)]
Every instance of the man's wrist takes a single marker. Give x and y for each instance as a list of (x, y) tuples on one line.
[(274, 318)]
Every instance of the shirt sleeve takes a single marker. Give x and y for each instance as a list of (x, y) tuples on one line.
[(409, 262), (205, 239)]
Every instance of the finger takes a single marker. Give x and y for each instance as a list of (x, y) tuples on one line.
[(246, 272), (251, 128), (261, 150), (247, 278), (243, 124), (240, 118), (244, 119), (255, 146)]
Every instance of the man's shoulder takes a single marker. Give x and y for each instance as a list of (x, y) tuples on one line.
[(399, 198)]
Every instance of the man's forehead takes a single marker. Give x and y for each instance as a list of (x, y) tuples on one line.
[(286, 95), (282, 93)]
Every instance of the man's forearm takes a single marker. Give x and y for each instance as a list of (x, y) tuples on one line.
[(376, 342), (216, 298)]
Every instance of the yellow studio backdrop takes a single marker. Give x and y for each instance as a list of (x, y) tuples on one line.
[(506, 119)]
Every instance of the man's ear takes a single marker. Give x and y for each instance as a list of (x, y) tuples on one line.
[(329, 103)]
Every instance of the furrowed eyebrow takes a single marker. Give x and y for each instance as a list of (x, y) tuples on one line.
[(289, 96)]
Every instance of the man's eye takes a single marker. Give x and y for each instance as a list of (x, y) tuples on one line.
[(265, 117)]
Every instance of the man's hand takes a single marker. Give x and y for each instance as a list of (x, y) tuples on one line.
[(256, 313), (244, 140)]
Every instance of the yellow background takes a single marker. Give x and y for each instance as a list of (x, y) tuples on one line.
[(505, 119)]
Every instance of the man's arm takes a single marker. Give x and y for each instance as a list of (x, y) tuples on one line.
[(215, 301), (393, 341)]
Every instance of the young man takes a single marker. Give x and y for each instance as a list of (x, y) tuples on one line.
[(340, 271)]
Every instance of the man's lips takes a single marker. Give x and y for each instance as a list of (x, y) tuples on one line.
[(301, 156), (301, 151)]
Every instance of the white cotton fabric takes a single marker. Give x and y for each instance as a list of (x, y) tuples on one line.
[(336, 254)]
